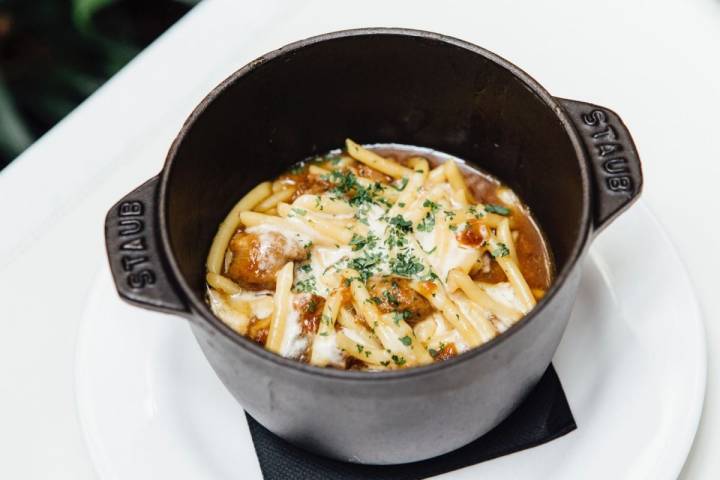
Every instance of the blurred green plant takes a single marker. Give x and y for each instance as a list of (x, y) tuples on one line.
[(55, 53)]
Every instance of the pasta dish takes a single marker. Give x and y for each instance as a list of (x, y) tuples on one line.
[(376, 258)]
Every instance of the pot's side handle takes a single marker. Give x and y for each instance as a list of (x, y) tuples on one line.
[(131, 238), (614, 161)]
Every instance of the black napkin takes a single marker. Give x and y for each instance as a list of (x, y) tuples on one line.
[(543, 416)]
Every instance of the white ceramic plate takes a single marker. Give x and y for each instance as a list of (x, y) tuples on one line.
[(632, 363)]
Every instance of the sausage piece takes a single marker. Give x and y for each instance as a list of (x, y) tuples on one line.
[(257, 257), (395, 295)]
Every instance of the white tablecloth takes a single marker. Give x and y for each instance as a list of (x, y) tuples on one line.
[(654, 62)]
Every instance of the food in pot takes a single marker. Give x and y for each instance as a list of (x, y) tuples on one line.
[(377, 258)]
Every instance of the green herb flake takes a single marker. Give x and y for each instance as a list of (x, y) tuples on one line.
[(357, 242), (392, 299), (427, 223), (406, 340), (501, 251), (401, 224), (499, 209), (434, 207), (404, 315), (399, 361), (406, 265), (305, 286), (365, 265), (475, 212), (360, 348)]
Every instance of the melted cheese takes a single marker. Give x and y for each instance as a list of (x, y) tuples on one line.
[(504, 293), (235, 319), (293, 343), (326, 352)]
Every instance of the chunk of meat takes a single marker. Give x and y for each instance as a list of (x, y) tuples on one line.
[(258, 330), (446, 351), (475, 235), (309, 183), (310, 308), (395, 295), (257, 257)]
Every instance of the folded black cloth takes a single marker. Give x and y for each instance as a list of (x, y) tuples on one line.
[(543, 416)]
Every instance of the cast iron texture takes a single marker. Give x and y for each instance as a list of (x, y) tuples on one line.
[(386, 86)]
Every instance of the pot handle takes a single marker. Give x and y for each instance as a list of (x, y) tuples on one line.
[(133, 248), (613, 159)]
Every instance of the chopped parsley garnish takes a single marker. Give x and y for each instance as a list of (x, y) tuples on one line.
[(323, 334), (449, 214), (358, 242), (406, 265), (434, 207), (401, 204), (395, 239), (404, 315), (401, 224), (406, 340), (385, 363), (359, 347), (501, 251), (453, 227), (365, 265), (311, 306), (361, 214), (299, 211), (432, 276), (346, 184), (305, 286), (399, 361), (306, 267), (326, 319), (392, 299), (499, 209), (362, 196), (475, 212), (427, 223)]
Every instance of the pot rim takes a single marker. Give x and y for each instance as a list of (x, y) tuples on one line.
[(198, 308)]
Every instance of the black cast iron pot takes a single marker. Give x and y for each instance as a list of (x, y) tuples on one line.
[(573, 163)]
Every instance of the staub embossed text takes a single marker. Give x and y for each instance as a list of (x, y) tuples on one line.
[(133, 244), (608, 152)]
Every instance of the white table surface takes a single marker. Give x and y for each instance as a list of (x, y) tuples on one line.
[(656, 63)]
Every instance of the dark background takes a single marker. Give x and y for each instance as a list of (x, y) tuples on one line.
[(55, 53)]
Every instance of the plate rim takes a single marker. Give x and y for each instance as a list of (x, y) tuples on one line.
[(684, 437)]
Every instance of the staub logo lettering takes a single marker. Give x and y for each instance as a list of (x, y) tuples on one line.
[(133, 245), (607, 152)]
